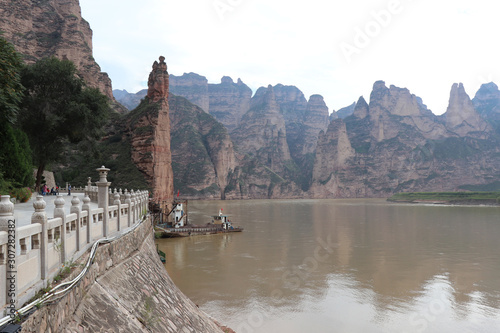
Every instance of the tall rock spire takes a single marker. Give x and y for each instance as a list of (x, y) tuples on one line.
[(158, 81), (151, 135), (163, 177)]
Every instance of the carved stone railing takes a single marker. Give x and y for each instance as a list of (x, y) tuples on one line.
[(32, 255)]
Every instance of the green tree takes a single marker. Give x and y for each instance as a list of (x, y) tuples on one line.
[(16, 169), (11, 90), (58, 108)]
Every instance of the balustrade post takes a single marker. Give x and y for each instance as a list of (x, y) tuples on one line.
[(134, 206), (7, 222), (59, 213), (89, 186), (110, 197), (6, 213), (40, 216), (103, 198), (128, 201), (86, 207), (118, 203), (75, 209)]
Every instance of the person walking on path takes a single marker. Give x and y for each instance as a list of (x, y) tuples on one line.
[(69, 189)]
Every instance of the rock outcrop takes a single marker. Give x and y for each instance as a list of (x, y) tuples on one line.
[(40, 29), (193, 87), (344, 112), (284, 147), (361, 108), (149, 125), (333, 156), (202, 152), (316, 119), (487, 103), (229, 101), (395, 144), (461, 117), (129, 100), (262, 132)]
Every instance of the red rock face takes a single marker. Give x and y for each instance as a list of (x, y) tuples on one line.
[(151, 136), (158, 82)]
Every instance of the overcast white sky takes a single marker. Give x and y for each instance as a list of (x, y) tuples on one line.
[(334, 48)]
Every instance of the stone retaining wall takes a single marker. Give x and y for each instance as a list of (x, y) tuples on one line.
[(126, 289)]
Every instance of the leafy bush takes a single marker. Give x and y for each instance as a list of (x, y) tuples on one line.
[(21, 194)]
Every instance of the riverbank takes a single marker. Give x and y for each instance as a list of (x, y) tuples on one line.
[(448, 198)]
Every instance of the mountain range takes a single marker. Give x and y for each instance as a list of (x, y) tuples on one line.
[(232, 143), (286, 146)]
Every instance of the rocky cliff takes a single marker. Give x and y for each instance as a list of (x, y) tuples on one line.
[(262, 132), (46, 28), (344, 112), (461, 117), (316, 119), (395, 144), (149, 132), (193, 87), (202, 152), (487, 103), (284, 146), (128, 100), (229, 101)]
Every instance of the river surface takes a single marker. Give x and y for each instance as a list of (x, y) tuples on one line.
[(343, 266)]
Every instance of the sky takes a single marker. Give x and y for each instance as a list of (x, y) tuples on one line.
[(337, 49)]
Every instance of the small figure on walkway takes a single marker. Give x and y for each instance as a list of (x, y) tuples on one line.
[(69, 189), (52, 191)]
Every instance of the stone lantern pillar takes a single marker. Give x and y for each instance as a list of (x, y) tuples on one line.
[(103, 198)]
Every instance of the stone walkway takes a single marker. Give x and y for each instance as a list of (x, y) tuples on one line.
[(24, 211)]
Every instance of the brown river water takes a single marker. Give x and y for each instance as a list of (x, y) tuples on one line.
[(343, 266)]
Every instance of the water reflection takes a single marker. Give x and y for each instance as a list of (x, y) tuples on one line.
[(344, 266)]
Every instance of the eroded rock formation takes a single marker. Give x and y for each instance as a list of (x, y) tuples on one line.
[(193, 87), (150, 128), (40, 29), (395, 144), (202, 152), (262, 132), (229, 101), (461, 117)]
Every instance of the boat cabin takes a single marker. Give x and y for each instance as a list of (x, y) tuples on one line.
[(222, 220), (179, 216)]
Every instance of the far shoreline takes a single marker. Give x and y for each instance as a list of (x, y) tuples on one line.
[(448, 198)]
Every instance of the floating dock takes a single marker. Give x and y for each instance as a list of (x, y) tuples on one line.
[(194, 230)]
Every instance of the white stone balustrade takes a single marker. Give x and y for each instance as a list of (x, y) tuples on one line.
[(45, 245)]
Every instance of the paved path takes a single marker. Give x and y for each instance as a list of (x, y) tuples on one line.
[(24, 211)]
